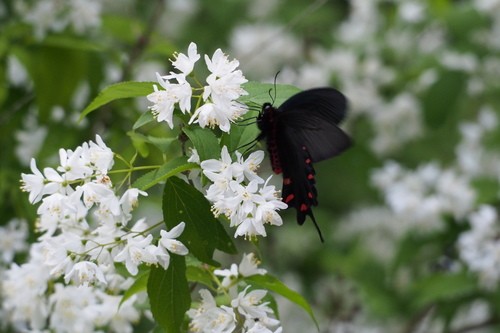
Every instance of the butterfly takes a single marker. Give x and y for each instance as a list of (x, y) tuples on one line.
[(302, 131)]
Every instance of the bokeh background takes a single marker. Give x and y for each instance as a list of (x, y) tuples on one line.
[(409, 213)]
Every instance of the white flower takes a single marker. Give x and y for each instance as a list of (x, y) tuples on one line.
[(230, 275), (250, 165), (212, 168), (73, 309), (23, 288), (165, 100), (85, 273), (221, 93), (249, 304), (72, 164), (249, 206), (135, 253), (209, 318), (194, 158), (212, 115), (186, 63), (36, 184), (479, 247), (13, 239), (169, 243), (247, 267), (102, 195), (99, 155), (85, 14), (424, 195), (258, 327), (129, 201), (220, 65), (59, 253)]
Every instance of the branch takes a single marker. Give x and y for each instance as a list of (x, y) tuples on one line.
[(143, 40)]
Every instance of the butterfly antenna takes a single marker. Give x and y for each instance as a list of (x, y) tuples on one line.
[(317, 227), (275, 90)]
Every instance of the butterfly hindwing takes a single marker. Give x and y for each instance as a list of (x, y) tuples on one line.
[(299, 181)]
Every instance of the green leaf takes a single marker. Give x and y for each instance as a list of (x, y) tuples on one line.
[(169, 294), (162, 143), (139, 142), (167, 170), (71, 42), (203, 232), (260, 93), (270, 282), (118, 91), (145, 118), (443, 287), (56, 74), (205, 142), (240, 137), (442, 98), (200, 275), (140, 284)]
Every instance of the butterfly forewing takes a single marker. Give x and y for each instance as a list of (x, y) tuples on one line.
[(327, 104), (314, 115)]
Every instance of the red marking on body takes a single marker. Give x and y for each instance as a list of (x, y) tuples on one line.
[(310, 195), (272, 145), (289, 198), (303, 207), (310, 176), (287, 181)]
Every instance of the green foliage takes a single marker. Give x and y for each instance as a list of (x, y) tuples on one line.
[(203, 233), (167, 170), (423, 279), (271, 283), (442, 97), (169, 295), (119, 91)]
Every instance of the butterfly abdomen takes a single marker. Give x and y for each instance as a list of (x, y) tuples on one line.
[(268, 125)]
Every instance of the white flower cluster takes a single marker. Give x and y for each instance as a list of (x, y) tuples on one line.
[(247, 267), (246, 310), (241, 195), (479, 247), (219, 107), (56, 15), (395, 123), (425, 195), (86, 231), (13, 238), (473, 158)]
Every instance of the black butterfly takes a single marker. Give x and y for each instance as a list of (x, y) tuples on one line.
[(301, 131)]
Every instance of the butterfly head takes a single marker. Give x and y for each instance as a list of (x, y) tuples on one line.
[(265, 117)]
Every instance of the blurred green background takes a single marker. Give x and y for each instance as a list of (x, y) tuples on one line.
[(422, 82)]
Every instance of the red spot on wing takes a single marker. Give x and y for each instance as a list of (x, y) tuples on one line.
[(289, 198), (287, 181), (310, 195), (304, 207), (308, 161), (310, 176)]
